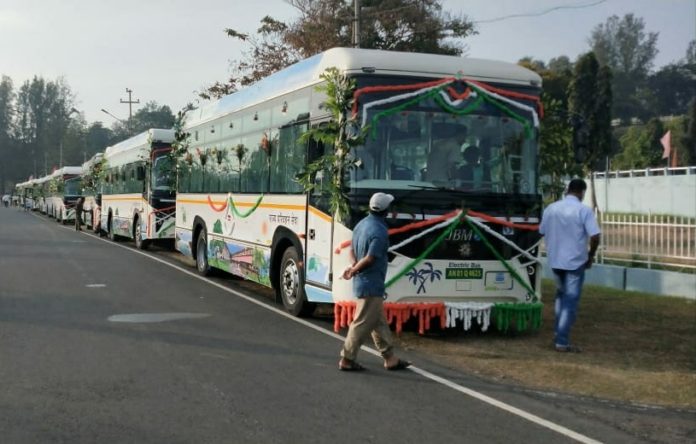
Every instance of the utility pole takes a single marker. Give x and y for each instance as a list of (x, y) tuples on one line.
[(130, 103), (356, 24)]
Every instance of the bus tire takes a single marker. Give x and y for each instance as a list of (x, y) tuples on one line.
[(140, 243), (291, 285), (110, 227), (202, 265)]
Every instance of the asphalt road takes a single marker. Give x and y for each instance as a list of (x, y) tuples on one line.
[(239, 371)]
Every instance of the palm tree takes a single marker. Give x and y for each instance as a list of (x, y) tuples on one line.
[(421, 276)]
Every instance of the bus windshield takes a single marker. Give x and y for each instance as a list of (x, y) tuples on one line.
[(162, 178), (73, 187), (484, 150)]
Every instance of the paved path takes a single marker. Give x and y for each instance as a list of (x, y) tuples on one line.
[(237, 371)]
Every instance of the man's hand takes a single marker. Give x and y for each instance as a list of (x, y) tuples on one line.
[(590, 261), (348, 273)]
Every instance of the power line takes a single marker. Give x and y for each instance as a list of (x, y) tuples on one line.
[(537, 14)]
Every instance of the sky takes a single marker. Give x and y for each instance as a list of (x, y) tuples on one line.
[(166, 50)]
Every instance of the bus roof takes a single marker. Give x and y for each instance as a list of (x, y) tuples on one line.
[(137, 147), (72, 170), (357, 60), (94, 160)]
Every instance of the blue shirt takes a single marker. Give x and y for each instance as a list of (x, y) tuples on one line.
[(567, 226), (370, 237)]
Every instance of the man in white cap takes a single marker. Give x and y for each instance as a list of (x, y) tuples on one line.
[(368, 271)]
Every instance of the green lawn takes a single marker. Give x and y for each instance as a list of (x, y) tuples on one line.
[(636, 347)]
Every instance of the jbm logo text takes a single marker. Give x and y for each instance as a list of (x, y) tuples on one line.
[(461, 234)]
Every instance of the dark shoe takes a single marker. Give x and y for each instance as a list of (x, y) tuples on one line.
[(345, 365), (401, 365), (568, 349)]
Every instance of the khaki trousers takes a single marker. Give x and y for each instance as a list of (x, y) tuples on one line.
[(369, 320)]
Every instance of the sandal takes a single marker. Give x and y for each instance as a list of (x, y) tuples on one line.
[(401, 365), (350, 366), (568, 349)]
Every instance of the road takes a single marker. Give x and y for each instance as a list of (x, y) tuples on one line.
[(232, 368)]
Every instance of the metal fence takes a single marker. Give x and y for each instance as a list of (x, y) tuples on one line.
[(653, 240), (672, 171)]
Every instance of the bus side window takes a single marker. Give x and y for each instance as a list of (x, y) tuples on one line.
[(288, 158)]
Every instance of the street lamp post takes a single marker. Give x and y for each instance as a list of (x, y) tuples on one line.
[(126, 123)]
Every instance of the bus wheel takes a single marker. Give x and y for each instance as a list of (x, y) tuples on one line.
[(202, 265), (112, 235), (291, 285), (140, 243)]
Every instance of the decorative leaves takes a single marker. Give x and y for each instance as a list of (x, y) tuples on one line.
[(343, 133)]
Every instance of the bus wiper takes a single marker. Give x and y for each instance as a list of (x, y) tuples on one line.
[(438, 188)]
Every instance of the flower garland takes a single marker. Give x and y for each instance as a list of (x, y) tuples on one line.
[(419, 235), (503, 239), (467, 312), (524, 316), (453, 224), (490, 94), (440, 82), (428, 222), (530, 292)]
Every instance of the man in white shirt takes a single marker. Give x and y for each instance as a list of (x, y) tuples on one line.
[(568, 226)]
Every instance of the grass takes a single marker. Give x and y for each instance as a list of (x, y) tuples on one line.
[(636, 347)]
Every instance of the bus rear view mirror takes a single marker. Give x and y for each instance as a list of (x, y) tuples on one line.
[(140, 173)]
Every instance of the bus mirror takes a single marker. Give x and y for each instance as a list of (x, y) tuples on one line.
[(97, 199), (140, 173)]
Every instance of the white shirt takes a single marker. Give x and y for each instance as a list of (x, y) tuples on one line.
[(567, 226)]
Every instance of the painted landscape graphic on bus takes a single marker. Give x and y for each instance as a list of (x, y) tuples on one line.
[(317, 271), (183, 242), (251, 263)]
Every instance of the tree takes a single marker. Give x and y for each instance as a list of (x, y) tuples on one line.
[(590, 98), (399, 25), (6, 116), (641, 147), (624, 46), (43, 116), (556, 76), (555, 147), (671, 88), (690, 58), (97, 138), (689, 138), (152, 115), (560, 64)]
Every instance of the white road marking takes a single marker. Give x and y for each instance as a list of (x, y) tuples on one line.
[(144, 318), (426, 374), (95, 285)]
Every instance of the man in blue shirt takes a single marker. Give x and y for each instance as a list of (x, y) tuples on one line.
[(568, 225), (368, 271)]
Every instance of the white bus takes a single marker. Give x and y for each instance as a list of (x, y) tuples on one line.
[(63, 188), (22, 193), (138, 194), (446, 134), (91, 187), (40, 193)]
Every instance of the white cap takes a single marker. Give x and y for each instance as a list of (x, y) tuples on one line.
[(380, 202)]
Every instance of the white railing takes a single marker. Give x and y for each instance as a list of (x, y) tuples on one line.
[(677, 171), (648, 239)]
